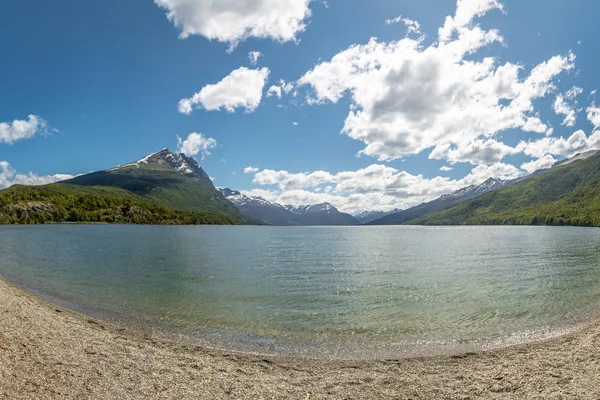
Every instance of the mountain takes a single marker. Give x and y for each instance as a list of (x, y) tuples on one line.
[(442, 203), (261, 210), (265, 212), (162, 187), (566, 194), (322, 214), (367, 216)]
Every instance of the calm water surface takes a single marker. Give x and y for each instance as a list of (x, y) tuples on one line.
[(320, 291)]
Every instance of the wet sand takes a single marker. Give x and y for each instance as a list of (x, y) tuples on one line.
[(48, 352)]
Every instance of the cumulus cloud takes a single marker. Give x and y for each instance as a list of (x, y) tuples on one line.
[(412, 26), (445, 168), (578, 142), (407, 97), (6, 174), (274, 90), (250, 170), (280, 89), (234, 21), (541, 163), (16, 130), (194, 144), (466, 11), (474, 152), (242, 88), (9, 177), (253, 57), (483, 172), (289, 181), (561, 106), (376, 187), (593, 115)]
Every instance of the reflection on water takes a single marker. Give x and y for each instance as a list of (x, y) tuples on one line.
[(337, 291)]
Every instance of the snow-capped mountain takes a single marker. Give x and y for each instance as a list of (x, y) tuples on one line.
[(241, 199), (260, 210), (316, 208), (269, 213), (169, 160), (367, 216)]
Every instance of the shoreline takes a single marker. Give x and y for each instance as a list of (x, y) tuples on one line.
[(48, 352), (234, 342)]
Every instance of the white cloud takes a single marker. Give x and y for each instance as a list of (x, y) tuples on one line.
[(406, 97), (474, 152), (281, 88), (234, 21), (466, 11), (482, 172), (562, 107), (295, 123), (446, 168), (558, 146), (375, 187), (9, 177), (6, 174), (11, 132), (541, 163), (274, 90), (253, 57), (242, 88), (33, 179), (593, 115), (412, 26), (288, 181), (573, 92), (250, 170), (194, 144)]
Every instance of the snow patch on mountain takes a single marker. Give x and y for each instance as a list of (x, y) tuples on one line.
[(477, 190)]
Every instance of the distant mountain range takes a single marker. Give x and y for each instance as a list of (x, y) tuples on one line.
[(169, 188), (322, 214), (566, 194), (161, 188), (260, 210), (441, 203), (265, 212), (367, 216)]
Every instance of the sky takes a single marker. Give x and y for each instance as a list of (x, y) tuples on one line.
[(367, 105)]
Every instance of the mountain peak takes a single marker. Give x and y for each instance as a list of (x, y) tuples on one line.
[(165, 158), (226, 192)]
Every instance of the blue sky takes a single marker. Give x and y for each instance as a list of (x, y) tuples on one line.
[(503, 89)]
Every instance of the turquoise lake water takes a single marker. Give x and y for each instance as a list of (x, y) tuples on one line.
[(384, 292)]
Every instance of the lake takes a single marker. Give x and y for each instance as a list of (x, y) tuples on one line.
[(335, 292)]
